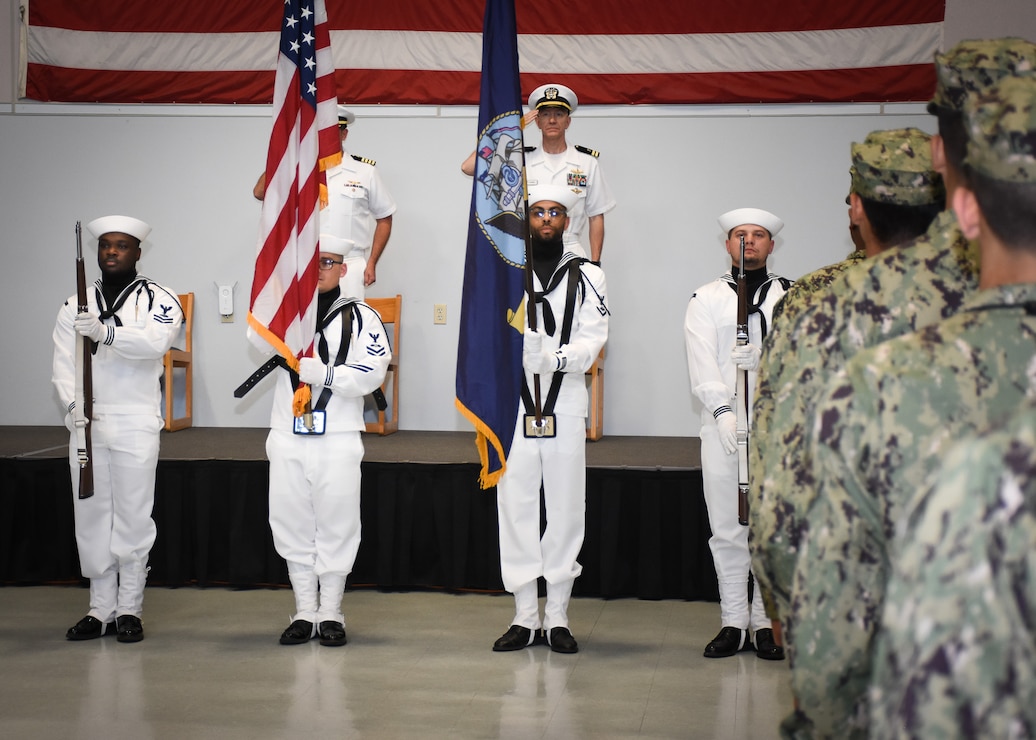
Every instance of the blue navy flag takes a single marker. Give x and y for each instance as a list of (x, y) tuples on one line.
[(489, 355)]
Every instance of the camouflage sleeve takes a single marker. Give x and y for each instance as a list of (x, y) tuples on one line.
[(840, 568), (793, 369), (782, 474), (956, 647), (771, 367)]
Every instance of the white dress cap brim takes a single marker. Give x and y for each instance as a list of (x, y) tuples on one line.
[(336, 244), (558, 193), (757, 216), (122, 224)]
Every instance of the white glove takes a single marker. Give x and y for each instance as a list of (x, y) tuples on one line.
[(746, 356), (540, 363), (314, 372), (727, 424), (71, 422), (90, 326), (532, 342)]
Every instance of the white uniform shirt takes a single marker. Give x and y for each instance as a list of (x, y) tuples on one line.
[(710, 327), (357, 197), (126, 372), (364, 370), (580, 172), (589, 333)]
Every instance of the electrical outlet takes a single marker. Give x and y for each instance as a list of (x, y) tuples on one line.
[(439, 313)]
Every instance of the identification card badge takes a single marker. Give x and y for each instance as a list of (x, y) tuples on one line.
[(315, 418), (545, 427)]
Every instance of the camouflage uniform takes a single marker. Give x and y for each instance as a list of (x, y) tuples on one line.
[(800, 295), (884, 425), (888, 166), (899, 291), (956, 652)]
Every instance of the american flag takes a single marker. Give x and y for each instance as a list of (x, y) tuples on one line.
[(403, 52), (303, 143)]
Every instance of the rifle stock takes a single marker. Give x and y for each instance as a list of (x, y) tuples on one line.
[(84, 380), (741, 396)]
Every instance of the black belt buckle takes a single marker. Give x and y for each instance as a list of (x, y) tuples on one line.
[(542, 430)]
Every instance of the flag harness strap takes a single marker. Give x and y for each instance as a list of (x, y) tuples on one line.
[(343, 348), (574, 278)]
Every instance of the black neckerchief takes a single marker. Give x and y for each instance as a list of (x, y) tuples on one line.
[(545, 257), (753, 278), (575, 275), (324, 301), (112, 286)]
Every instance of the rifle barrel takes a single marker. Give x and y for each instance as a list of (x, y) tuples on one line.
[(86, 470)]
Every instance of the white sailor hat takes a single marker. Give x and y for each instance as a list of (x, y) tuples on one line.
[(756, 216), (554, 95), (336, 245), (121, 224), (345, 116), (558, 193)]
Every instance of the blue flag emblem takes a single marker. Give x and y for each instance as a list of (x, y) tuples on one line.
[(498, 168)]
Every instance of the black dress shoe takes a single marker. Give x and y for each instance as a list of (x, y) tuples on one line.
[(89, 628), (561, 640), (766, 647), (516, 638), (332, 633), (129, 628), (728, 642), (298, 632)]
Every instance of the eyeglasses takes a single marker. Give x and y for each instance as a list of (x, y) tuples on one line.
[(552, 212), (326, 263)]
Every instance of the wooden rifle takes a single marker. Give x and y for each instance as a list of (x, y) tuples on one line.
[(741, 395), (84, 379)]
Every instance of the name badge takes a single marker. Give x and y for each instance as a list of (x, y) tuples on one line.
[(544, 429), (316, 419)]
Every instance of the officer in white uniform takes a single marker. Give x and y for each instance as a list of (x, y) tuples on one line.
[(710, 328), (556, 162), (133, 321), (571, 301), (315, 473), (574, 167), (360, 210)]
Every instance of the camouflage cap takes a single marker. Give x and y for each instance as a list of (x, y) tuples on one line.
[(1001, 125), (895, 166), (977, 63)]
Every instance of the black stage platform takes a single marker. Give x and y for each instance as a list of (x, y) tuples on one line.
[(426, 524)]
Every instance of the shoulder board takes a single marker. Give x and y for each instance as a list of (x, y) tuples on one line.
[(528, 149), (587, 150), (358, 158)]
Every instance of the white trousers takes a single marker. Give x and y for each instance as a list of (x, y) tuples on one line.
[(114, 528), (560, 464), (315, 511), (729, 541), (352, 284)]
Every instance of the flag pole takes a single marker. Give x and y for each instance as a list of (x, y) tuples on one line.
[(530, 289)]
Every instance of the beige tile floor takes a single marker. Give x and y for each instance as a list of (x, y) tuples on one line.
[(418, 665)]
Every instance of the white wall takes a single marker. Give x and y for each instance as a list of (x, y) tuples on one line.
[(189, 172), (673, 171)]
